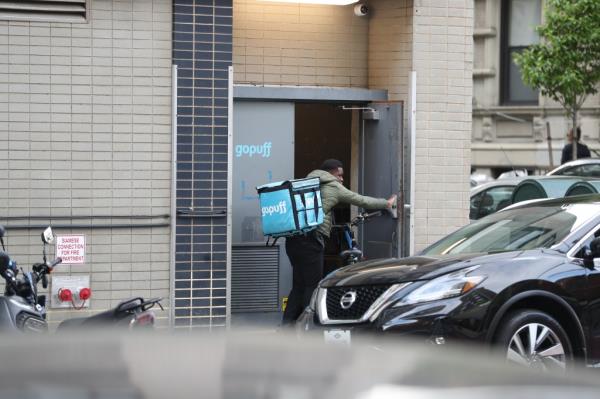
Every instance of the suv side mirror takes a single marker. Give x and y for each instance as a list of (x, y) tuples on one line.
[(47, 236), (592, 253), (595, 247)]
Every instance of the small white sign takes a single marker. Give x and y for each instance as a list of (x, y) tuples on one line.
[(337, 337), (71, 249)]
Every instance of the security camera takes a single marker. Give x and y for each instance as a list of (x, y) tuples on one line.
[(361, 10)]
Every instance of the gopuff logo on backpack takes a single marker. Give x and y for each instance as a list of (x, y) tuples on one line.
[(280, 208)]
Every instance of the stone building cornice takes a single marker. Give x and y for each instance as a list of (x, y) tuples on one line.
[(533, 110)]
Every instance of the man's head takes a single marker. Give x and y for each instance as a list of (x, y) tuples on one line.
[(570, 135), (334, 167)]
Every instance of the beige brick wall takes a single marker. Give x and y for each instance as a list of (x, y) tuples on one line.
[(390, 46), (85, 112), (443, 60), (285, 44), (433, 38), (294, 44)]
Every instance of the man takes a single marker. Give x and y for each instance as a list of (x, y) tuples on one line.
[(567, 152), (306, 251)]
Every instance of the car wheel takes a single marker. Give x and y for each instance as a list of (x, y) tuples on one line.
[(534, 339)]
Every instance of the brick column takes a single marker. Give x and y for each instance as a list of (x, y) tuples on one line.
[(202, 31), (443, 60), (433, 38)]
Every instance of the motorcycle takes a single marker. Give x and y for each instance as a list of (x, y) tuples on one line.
[(22, 309)]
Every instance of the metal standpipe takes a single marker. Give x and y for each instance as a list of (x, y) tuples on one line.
[(412, 121), (229, 197), (173, 194)]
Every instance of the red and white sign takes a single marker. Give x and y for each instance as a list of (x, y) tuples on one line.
[(71, 249)]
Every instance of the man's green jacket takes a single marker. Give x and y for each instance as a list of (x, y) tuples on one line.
[(333, 193)]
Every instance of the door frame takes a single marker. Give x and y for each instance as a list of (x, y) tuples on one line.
[(307, 93), (403, 177), (266, 93)]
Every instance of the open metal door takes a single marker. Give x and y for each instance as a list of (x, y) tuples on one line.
[(381, 175)]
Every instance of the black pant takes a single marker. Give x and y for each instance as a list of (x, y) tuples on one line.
[(306, 257)]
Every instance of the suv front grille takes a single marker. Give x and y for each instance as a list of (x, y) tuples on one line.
[(365, 296)]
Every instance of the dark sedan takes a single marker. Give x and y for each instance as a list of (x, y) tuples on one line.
[(524, 279)]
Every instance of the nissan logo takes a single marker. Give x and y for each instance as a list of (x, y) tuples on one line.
[(348, 299)]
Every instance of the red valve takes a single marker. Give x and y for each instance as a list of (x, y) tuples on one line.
[(85, 294), (65, 295)]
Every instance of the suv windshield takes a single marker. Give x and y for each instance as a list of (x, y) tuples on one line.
[(517, 229)]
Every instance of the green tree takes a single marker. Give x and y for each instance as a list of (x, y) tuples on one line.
[(565, 65)]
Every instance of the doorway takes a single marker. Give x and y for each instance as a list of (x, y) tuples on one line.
[(324, 131), (276, 139)]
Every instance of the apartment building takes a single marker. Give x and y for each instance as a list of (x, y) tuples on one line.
[(511, 122)]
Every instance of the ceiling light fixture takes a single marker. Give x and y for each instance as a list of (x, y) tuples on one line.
[(330, 2)]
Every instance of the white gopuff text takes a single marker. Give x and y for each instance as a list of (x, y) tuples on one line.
[(270, 210), (251, 150)]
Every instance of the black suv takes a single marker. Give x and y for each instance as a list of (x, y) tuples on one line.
[(524, 279)]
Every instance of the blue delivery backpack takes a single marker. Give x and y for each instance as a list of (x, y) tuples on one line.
[(290, 207)]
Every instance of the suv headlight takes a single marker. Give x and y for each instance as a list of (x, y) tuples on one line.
[(447, 286)]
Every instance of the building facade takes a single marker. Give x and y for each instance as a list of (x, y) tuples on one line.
[(118, 123), (85, 137), (509, 119)]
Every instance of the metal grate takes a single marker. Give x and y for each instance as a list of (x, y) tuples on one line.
[(254, 279), (365, 296), (44, 10)]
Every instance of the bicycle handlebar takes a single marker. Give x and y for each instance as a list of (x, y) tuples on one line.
[(361, 217)]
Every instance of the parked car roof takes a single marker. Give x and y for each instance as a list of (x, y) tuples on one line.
[(577, 199), (513, 191), (568, 165), (497, 183)]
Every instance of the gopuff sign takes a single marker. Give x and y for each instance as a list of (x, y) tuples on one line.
[(280, 208), (251, 150)]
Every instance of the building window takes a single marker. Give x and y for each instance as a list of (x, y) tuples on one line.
[(519, 19), (44, 10)]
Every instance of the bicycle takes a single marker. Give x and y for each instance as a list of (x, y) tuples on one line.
[(354, 254)]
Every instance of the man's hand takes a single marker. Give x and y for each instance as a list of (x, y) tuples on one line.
[(391, 202)]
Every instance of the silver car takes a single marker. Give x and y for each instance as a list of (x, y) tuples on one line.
[(491, 197), (589, 167)]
